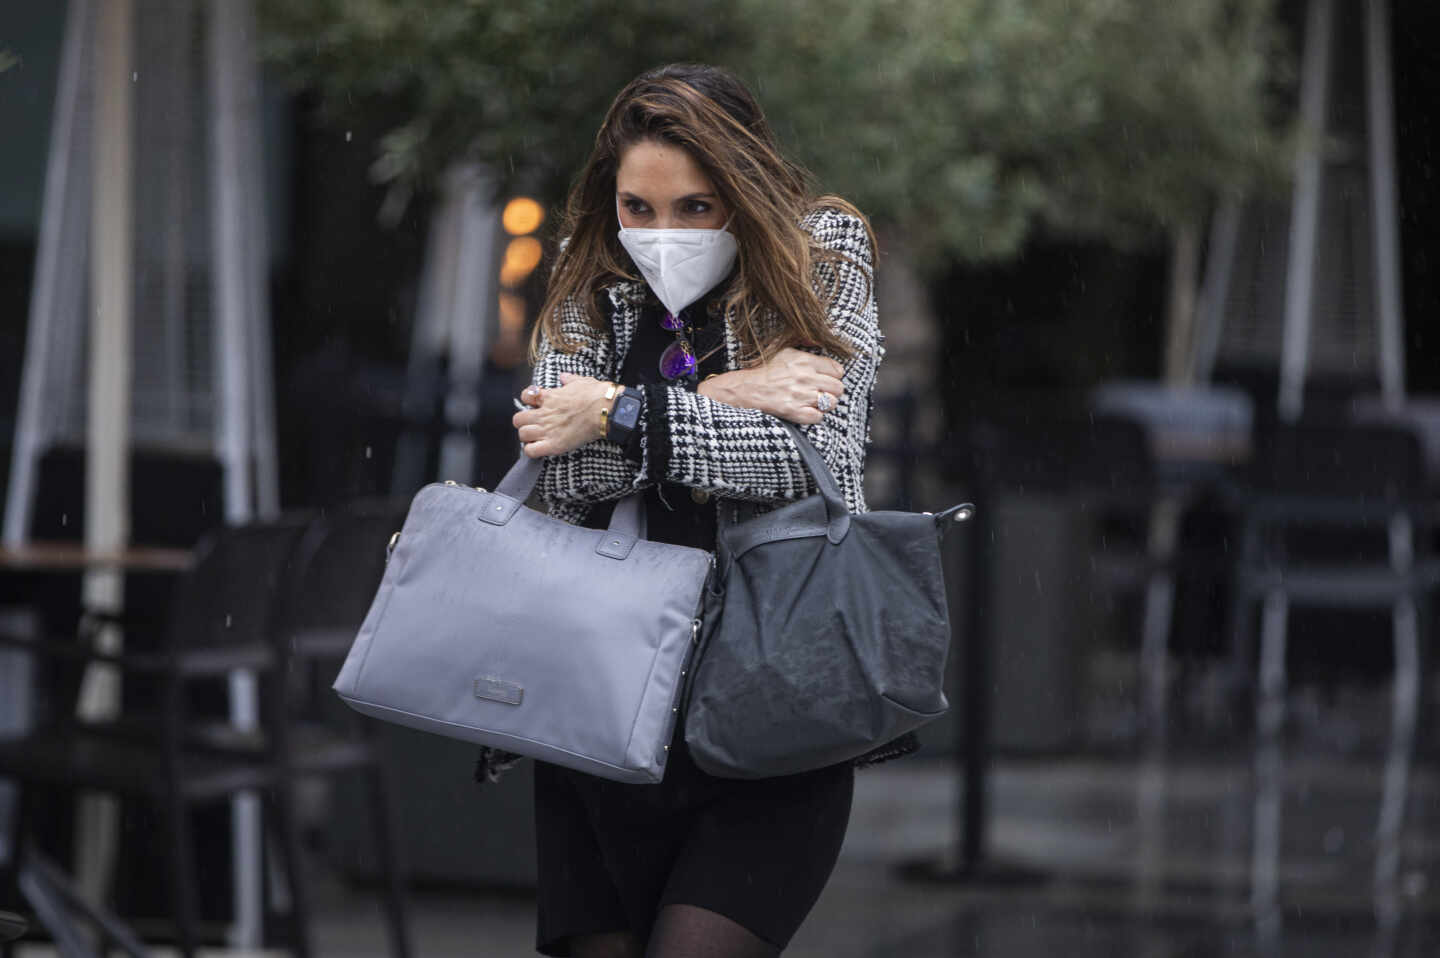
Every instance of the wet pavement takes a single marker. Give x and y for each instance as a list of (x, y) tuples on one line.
[(1124, 858)]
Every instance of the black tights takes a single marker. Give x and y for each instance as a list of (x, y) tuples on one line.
[(681, 931)]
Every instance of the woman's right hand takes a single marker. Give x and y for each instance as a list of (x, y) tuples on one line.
[(788, 386)]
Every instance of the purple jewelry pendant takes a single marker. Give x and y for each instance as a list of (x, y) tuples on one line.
[(677, 360), (671, 322)]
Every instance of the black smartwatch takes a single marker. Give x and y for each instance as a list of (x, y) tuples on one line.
[(624, 415)]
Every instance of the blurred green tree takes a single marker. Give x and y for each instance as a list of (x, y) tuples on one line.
[(961, 124)]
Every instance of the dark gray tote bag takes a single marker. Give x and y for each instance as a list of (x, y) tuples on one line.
[(824, 634), (497, 624)]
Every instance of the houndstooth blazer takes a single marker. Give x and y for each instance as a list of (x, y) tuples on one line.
[(693, 440), (690, 439)]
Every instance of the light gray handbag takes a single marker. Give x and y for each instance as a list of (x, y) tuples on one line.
[(499, 625)]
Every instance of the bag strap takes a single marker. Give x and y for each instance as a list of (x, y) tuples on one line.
[(520, 481), (836, 511)]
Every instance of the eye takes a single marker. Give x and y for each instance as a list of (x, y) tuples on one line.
[(697, 208), (635, 207)]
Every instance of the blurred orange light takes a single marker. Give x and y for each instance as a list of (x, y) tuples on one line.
[(521, 257), (522, 215), (512, 312)]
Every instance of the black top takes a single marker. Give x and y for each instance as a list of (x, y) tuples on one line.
[(672, 513)]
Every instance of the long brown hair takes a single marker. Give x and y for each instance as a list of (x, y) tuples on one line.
[(709, 113)]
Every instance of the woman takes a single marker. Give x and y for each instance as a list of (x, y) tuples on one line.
[(702, 295)]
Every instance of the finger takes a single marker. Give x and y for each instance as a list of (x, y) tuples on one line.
[(536, 450), (531, 433), (806, 415), (530, 395), (524, 418), (832, 368), (566, 377)]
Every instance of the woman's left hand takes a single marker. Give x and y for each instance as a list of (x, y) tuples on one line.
[(560, 419)]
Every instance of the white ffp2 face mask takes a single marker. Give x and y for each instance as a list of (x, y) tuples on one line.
[(681, 265)]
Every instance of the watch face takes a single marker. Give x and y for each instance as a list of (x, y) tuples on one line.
[(627, 411)]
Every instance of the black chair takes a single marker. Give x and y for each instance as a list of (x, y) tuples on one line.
[(1331, 517), (338, 567), (222, 620)]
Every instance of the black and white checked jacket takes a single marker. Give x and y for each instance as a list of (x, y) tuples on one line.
[(696, 441)]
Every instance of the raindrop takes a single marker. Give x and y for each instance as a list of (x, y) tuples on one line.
[(368, 452), (135, 76), (347, 136), (227, 620), (64, 518)]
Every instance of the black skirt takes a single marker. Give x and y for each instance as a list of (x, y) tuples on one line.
[(612, 855)]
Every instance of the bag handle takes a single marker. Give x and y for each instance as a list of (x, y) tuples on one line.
[(520, 481), (836, 512)]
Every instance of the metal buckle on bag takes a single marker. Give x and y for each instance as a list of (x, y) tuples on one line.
[(498, 509), (615, 545), (953, 516)]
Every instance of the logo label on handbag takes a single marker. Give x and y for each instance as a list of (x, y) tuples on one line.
[(498, 690)]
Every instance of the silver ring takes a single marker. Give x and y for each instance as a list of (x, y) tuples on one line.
[(823, 402)]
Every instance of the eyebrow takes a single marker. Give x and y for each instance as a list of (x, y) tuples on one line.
[(689, 196)]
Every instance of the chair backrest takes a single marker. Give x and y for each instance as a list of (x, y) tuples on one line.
[(339, 566), (231, 593), (1421, 413)]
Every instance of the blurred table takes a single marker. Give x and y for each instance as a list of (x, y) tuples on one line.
[(51, 891), (75, 557)]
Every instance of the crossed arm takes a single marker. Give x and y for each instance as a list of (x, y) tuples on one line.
[(727, 437), (785, 387)]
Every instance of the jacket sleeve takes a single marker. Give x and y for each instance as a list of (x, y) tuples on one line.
[(747, 454), (598, 470)]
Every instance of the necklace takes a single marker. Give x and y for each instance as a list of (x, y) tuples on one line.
[(679, 360)]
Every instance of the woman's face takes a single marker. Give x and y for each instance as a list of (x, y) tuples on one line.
[(659, 186)]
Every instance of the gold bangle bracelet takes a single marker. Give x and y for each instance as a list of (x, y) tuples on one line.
[(610, 389)]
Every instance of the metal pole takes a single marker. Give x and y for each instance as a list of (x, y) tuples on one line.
[(428, 341), (107, 425), (229, 279), (257, 266), (1305, 209), (472, 304), (228, 275), (1179, 356), (63, 211), (179, 101), (974, 743), (1380, 126), (1215, 294)]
